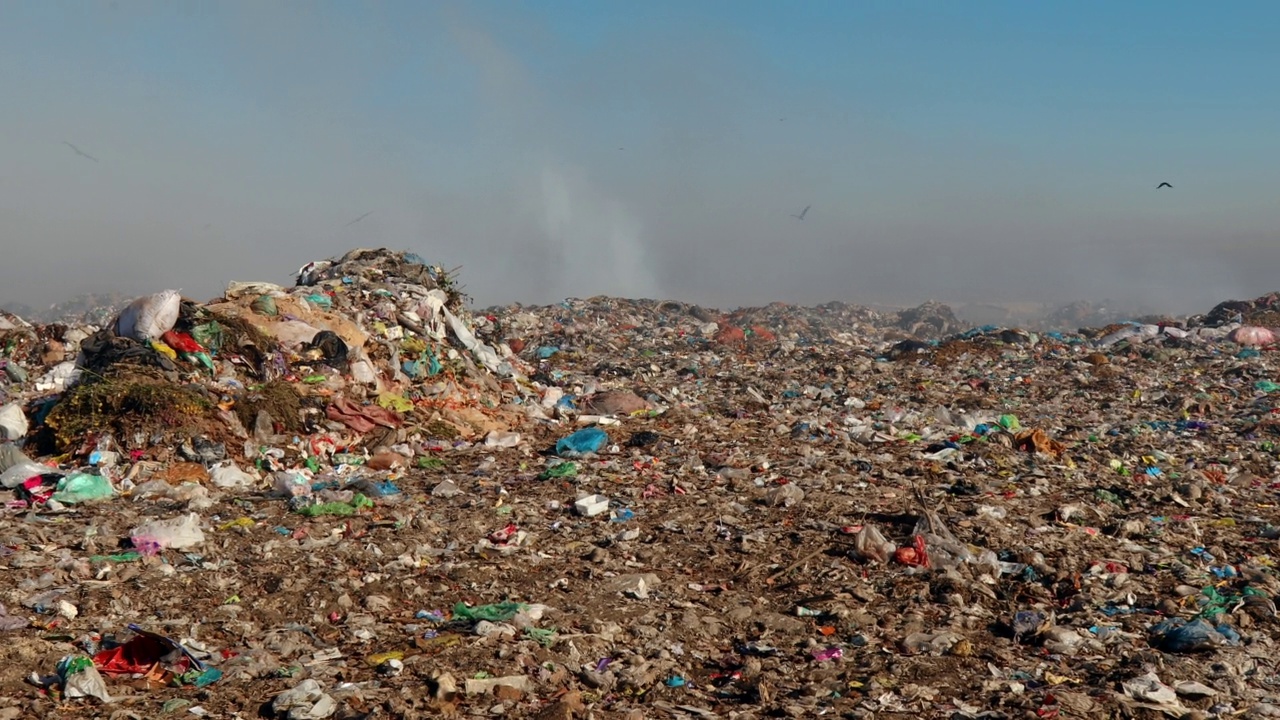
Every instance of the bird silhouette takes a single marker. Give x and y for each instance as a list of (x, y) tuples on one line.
[(79, 152), (1164, 185), (353, 222), (803, 212)]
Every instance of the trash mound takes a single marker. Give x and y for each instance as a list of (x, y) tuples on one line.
[(932, 319), (384, 270), (81, 310), (372, 328), (96, 309), (1084, 314), (1261, 311), (749, 329)]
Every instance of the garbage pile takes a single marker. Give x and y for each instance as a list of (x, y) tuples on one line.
[(354, 497), (368, 341), (91, 309), (1083, 314), (1261, 311)]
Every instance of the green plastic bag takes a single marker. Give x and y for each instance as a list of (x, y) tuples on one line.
[(1010, 423), (397, 403), (81, 488), (320, 300), (209, 335), (562, 470), (265, 305), (337, 508), (498, 612)]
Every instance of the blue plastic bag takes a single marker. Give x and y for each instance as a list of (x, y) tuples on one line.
[(586, 440), (1176, 635)]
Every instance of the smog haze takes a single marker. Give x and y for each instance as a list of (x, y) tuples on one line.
[(964, 152)]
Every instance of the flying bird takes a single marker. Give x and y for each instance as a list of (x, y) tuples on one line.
[(79, 152), (803, 212), (1164, 185), (353, 222)]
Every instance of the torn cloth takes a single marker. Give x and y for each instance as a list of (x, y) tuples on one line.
[(362, 418)]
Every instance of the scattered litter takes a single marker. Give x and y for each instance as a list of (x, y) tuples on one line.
[(358, 496)]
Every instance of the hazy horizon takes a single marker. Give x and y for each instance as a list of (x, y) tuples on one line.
[(985, 152)]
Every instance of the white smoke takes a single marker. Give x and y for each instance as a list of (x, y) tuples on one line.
[(595, 242)]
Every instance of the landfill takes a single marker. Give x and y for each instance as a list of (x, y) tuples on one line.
[(360, 497)]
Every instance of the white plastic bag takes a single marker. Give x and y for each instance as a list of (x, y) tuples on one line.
[(23, 471), (59, 378), (292, 484), (86, 682), (870, 545), (13, 422), (291, 333), (246, 289), (496, 439), (307, 701), (178, 533), (229, 476), (149, 317), (192, 495)]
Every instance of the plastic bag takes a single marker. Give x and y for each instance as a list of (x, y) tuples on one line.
[(320, 300), (559, 470), (265, 305), (178, 533), (209, 335), (229, 476), (149, 317), (1252, 336), (11, 622), (11, 456), (498, 612), (944, 551), (292, 333), (81, 679), (870, 545), (13, 422), (784, 495), (483, 353), (930, 643), (81, 488), (498, 439), (1176, 635), (307, 701), (359, 502), (332, 348), (586, 440), (193, 495), (23, 471), (239, 289), (292, 485)]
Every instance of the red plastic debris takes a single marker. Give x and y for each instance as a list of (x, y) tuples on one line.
[(916, 555), (182, 342)]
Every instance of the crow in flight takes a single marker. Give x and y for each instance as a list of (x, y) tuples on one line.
[(1164, 185), (353, 222), (802, 213), (79, 152)]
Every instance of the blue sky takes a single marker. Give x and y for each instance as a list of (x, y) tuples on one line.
[(976, 151)]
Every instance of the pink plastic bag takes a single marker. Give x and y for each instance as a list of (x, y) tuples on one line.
[(1251, 336)]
